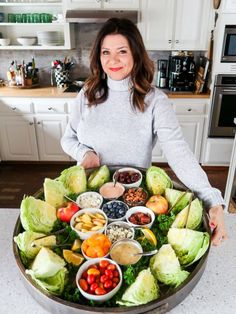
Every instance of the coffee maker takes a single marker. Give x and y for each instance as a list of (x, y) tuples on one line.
[(181, 71), (162, 73)]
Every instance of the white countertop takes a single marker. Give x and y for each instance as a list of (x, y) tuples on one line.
[(215, 292)]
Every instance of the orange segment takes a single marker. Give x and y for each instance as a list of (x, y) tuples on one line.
[(73, 258)]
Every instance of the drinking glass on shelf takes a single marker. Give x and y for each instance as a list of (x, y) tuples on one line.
[(11, 18), (36, 17), (18, 18)]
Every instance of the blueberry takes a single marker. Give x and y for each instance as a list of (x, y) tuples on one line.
[(109, 206)]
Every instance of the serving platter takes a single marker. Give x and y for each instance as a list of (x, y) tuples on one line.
[(163, 304)]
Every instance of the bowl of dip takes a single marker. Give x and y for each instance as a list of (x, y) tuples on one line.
[(122, 252), (110, 191)]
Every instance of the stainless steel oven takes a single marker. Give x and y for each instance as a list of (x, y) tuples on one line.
[(229, 44), (223, 110)]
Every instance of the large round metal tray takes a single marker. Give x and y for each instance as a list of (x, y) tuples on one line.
[(166, 302)]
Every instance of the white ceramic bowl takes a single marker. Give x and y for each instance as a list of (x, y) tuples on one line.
[(97, 298), (5, 41), (119, 224), (132, 170), (111, 192), (92, 258), (141, 209), (86, 235), (117, 202), (88, 200), (26, 41)]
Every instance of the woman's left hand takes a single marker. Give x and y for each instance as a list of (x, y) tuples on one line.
[(217, 223)]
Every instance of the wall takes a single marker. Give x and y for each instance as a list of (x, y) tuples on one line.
[(84, 36)]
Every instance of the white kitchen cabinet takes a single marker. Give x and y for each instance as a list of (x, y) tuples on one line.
[(217, 152), (49, 131), (101, 4), (31, 128), (191, 116), (175, 24), (14, 30), (18, 138)]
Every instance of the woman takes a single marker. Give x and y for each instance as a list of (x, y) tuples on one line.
[(118, 117)]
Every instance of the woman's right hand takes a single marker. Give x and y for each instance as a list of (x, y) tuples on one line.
[(90, 160)]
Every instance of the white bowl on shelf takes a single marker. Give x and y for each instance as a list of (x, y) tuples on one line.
[(5, 41), (26, 41)]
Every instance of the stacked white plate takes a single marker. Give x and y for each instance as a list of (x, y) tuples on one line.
[(50, 38)]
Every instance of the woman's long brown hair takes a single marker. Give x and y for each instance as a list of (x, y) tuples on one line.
[(96, 89)]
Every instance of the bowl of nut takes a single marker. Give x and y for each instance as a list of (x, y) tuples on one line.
[(135, 197), (89, 221)]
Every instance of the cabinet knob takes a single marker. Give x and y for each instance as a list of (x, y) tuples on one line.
[(177, 41), (50, 108), (31, 123), (169, 41), (38, 122), (189, 109), (13, 108)]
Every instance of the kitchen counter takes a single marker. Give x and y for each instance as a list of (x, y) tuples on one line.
[(215, 292), (48, 92)]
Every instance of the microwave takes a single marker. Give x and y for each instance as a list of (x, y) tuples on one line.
[(229, 44)]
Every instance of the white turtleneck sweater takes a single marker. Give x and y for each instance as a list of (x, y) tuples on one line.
[(121, 135)]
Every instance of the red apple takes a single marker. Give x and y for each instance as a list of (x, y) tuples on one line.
[(65, 213), (158, 204)]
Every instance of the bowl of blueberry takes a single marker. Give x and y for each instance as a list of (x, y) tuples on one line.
[(128, 177), (115, 210)]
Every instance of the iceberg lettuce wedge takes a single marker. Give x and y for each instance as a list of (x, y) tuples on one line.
[(37, 215), (166, 268), (157, 180), (74, 179)]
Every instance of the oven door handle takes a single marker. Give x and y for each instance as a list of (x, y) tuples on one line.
[(229, 90)]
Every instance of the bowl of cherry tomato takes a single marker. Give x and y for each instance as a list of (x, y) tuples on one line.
[(99, 279)]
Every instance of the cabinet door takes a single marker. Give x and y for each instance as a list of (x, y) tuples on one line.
[(49, 131), (156, 24), (192, 128), (121, 4), (18, 139), (82, 4), (191, 31)]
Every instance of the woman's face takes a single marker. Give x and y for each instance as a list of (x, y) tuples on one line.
[(116, 57)]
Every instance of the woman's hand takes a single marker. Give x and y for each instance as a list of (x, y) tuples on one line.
[(90, 160), (217, 223)]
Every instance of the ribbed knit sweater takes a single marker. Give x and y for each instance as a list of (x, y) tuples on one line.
[(121, 135)]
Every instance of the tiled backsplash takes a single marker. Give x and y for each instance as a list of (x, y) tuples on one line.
[(84, 37)]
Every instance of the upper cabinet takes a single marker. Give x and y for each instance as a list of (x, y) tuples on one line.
[(101, 4), (176, 24), (44, 21)]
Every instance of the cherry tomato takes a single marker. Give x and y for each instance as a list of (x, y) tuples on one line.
[(93, 266), (116, 279), (90, 279), (109, 273), (93, 286), (107, 284), (83, 284), (111, 267), (116, 273), (84, 275), (100, 291), (114, 284), (103, 278), (101, 285), (93, 271), (103, 263)]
